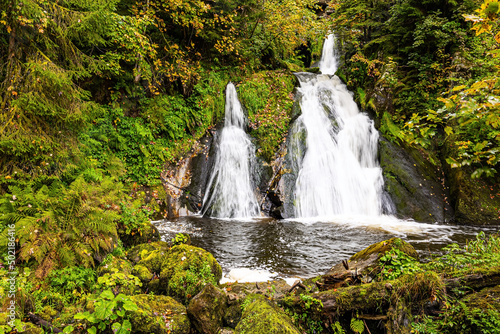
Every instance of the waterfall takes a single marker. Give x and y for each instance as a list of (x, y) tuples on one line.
[(338, 169), (230, 193)]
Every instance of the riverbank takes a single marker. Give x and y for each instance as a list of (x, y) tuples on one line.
[(173, 287)]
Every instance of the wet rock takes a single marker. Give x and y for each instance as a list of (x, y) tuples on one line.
[(185, 182), (159, 315), (207, 309), (262, 316), (414, 183), (363, 266)]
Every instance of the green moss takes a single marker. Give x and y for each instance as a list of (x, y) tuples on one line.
[(66, 317), (262, 316), (141, 251), (159, 314), (187, 269), (384, 246), (142, 272), (114, 264)]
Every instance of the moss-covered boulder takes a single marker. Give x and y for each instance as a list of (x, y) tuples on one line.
[(207, 310), (415, 182), (180, 272), (113, 264), (186, 270), (159, 315), (364, 263), (141, 251), (147, 233), (262, 316)]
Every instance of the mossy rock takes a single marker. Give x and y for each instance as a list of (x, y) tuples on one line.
[(113, 264), (486, 299), (207, 310), (141, 251), (365, 262), (186, 270), (262, 316), (159, 315), (415, 182), (147, 233), (313, 70)]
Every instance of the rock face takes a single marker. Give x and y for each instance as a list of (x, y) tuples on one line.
[(159, 315), (186, 181), (476, 202), (261, 316), (181, 271), (207, 310), (416, 186)]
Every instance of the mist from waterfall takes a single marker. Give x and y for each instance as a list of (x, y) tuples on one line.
[(339, 173), (230, 193)]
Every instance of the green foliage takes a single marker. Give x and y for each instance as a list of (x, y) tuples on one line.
[(118, 279), (357, 325), (310, 305), (483, 252), (180, 239), (459, 318), (268, 98), (110, 313), (72, 279), (188, 283), (395, 263), (61, 225)]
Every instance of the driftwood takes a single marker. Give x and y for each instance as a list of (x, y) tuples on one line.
[(42, 323)]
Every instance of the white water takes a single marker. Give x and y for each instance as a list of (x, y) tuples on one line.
[(230, 193), (339, 173)]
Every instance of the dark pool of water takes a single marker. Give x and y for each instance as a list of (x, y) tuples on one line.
[(307, 248)]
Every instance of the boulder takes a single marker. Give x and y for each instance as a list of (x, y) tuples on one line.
[(415, 182), (186, 270), (159, 315), (364, 265), (262, 316), (138, 252), (180, 272), (207, 310)]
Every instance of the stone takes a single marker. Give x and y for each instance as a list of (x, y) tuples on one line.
[(207, 310), (159, 315), (262, 316), (363, 264), (113, 264), (415, 182)]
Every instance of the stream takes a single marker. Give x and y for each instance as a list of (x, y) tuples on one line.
[(269, 248)]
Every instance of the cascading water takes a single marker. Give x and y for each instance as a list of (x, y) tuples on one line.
[(338, 169), (229, 192)]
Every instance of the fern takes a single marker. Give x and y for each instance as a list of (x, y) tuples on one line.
[(357, 325)]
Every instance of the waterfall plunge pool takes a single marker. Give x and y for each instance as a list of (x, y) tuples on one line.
[(264, 248)]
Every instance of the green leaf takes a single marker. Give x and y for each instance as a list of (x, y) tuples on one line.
[(130, 306), (116, 326), (448, 130), (92, 330), (107, 294), (120, 313), (68, 329)]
